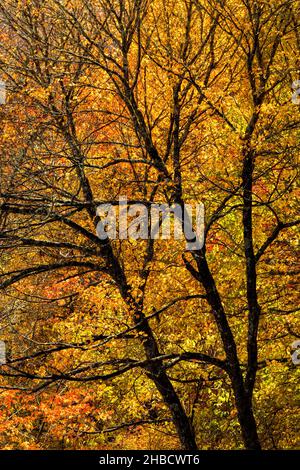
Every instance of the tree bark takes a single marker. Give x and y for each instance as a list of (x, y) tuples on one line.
[(163, 384), (181, 421), (246, 417)]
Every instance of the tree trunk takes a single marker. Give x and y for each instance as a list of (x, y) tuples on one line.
[(181, 421), (160, 378), (248, 426), (245, 415), (165, 387)]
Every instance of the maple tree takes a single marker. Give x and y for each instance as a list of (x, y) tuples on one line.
[(160, 101)]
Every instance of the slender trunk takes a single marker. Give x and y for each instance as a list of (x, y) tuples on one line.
[(160, 378), (243, 398), (243, 403), (247, 422), (181, 421), (164, 386), (251, 276)]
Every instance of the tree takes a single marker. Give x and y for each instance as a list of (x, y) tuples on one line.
[(160, 101)]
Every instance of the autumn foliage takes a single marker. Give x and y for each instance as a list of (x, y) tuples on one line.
[(141, 344)]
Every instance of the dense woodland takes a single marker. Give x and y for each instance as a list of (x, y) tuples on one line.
[(142, 344)]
